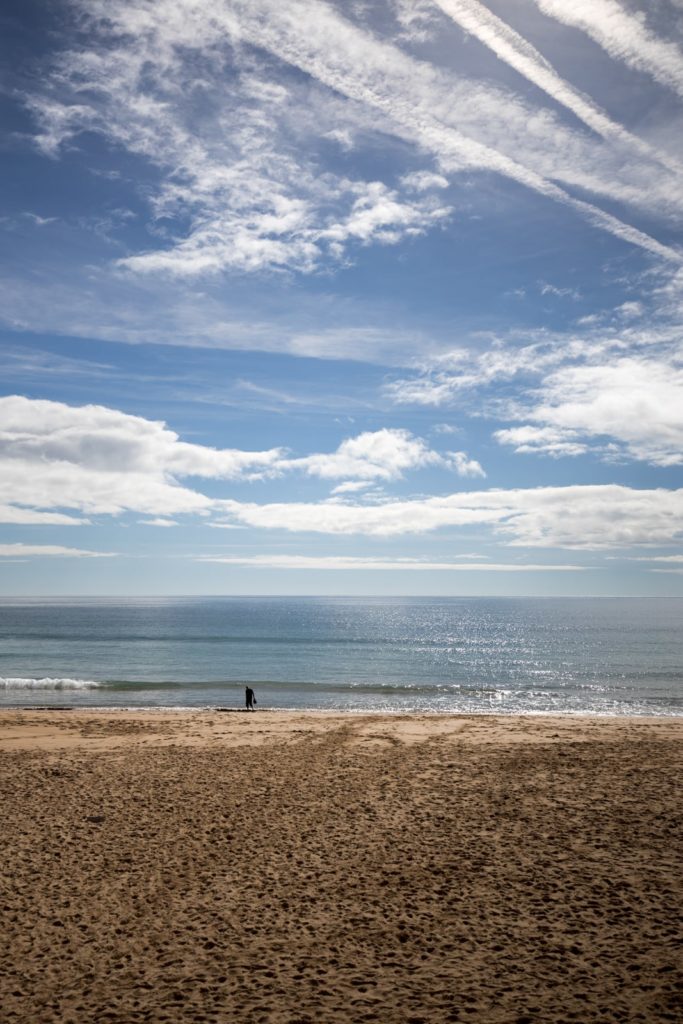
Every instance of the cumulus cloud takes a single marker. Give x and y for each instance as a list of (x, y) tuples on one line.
[(382, 455), (104, 461), (634, 405), (419, 181), (285, 238), (103, 439), (613, 386), (465, 466)]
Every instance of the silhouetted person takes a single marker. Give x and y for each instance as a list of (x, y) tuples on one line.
[(250, 698)]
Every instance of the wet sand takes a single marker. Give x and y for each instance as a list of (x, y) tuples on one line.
[(316, 868)]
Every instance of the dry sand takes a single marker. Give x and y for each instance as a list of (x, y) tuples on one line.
[(317, 868)]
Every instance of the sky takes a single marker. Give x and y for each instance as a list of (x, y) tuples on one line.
[(366, 297)]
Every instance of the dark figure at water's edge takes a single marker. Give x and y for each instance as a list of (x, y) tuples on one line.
[(250, 698)]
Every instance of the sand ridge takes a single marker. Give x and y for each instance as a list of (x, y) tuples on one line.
[(319, 867)]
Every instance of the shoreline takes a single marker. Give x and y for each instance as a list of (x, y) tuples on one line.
[(193, 709), (70, 727), (273, 868), (573, 725)]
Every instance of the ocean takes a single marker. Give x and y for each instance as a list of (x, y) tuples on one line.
[(609, 656)]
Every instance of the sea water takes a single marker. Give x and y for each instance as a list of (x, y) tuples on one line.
[(503, 655)]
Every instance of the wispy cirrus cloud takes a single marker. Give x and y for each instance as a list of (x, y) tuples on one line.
[(509, 46), (657, 558), (350, 562), (448, 376), (412, 96), (245, 187), (241, 177), (22, 551), (623, 35), (20, 515), (19, 361), (146, 311)]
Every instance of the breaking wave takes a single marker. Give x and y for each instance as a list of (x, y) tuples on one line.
[(18, 683)]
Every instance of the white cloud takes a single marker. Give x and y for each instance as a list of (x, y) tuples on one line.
[(417, 19), (343, 562), (351, 487), (378, 75), (158, 522), (465, 466), (561, 293), (613, 386), (381, 455), (141, 311), (31, 517), (448, 375), (40, 222), (657, 558), (637, 403), (623, 35), (590, 517), (436, 389), (420, 181), (48, 550), (545, 440), (343, 137), (287, 237), (519, 53), (630, 310), (378, 215), (246, 178), (103, 461)]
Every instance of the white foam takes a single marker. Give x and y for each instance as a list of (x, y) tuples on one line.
[(18, 683)]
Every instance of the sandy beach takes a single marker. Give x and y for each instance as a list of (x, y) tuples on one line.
[(301, 867)]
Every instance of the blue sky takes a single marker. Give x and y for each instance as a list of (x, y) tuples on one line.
[(376, 297)]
